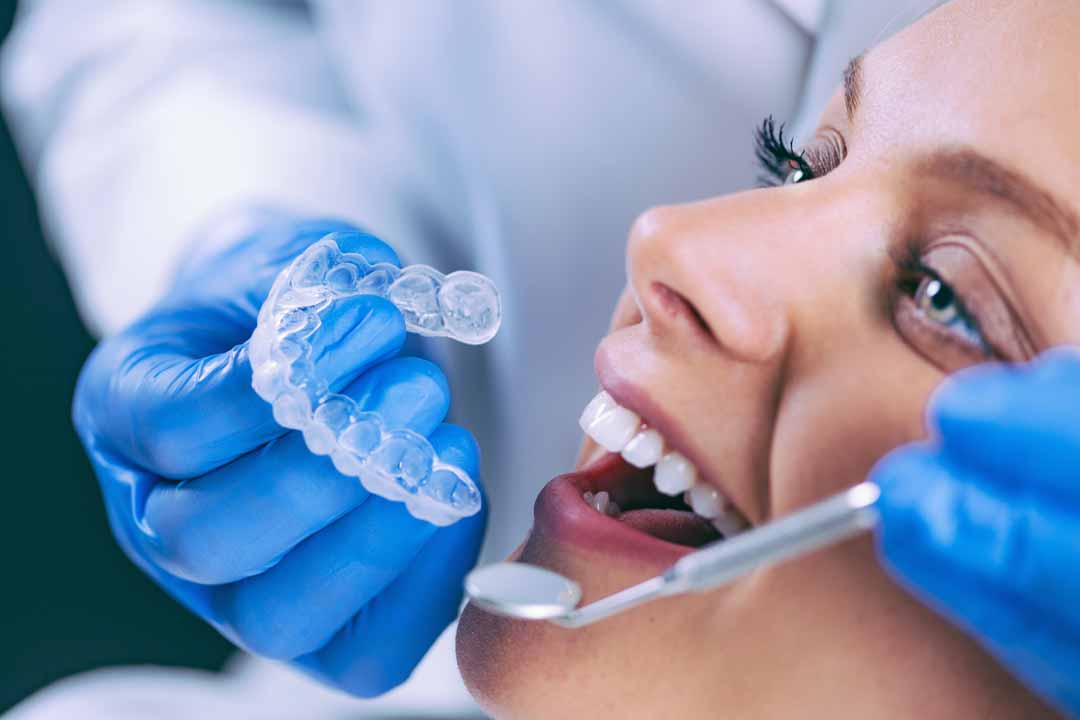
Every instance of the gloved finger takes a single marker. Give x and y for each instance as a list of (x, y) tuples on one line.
[(180, 417), (939, 519), (1017, 423), (299, 604), (1041, 652), (122, 487), (180, 368), (241, 519), (214, 305), (378, 647), (242, 271)]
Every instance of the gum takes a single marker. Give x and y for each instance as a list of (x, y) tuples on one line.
[(396, 464)]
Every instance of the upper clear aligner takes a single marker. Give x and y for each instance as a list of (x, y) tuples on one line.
[(396, 464)]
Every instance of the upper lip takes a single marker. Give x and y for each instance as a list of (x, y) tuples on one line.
[(676, 437)]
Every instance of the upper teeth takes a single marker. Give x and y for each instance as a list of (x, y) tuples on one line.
[(706, 501), (608, 423), (675, 474), (644, 449), (620, 430)]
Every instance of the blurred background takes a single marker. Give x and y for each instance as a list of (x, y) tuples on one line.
[(70, 600)]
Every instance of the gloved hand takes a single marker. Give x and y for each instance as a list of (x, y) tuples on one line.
[(234, 517), (983, 523)]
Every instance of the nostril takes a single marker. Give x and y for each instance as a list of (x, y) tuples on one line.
[(676, 306)]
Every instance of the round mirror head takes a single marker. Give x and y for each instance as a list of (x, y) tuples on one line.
[(522, 591)]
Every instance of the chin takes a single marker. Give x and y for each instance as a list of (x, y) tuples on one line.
[(536, 669)]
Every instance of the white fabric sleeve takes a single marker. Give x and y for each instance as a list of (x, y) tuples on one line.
[(140, 121), (251, 689)]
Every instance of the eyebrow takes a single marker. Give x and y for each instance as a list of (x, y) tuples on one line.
[(853, 79), (978, 173)]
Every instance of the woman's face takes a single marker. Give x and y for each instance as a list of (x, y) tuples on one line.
[(783, 340)]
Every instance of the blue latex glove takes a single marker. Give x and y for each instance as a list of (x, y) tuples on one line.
[(234, 517), (983, 523)]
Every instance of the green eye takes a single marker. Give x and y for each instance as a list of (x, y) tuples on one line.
[(933, 316), (938, 301)]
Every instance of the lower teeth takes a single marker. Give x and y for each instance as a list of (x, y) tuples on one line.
[(728, 524), (602, 503)]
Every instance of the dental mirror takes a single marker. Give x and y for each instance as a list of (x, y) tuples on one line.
[(522, 591), (529, 592)]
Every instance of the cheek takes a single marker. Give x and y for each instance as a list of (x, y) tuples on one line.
[(1061, 290), (834, 422)]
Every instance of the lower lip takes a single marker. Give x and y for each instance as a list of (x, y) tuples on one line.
[(562, 515)]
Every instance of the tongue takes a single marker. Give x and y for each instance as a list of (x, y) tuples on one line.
[(678, 526)]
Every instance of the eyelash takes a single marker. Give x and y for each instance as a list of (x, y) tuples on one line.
[(776, 155)]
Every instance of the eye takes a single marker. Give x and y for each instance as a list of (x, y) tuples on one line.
[(782, 164), (938, 302), (932, 316), (796, 176)]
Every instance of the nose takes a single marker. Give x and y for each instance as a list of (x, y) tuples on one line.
[(716, 269)]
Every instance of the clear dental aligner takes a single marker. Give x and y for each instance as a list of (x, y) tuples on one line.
[(395, 464)]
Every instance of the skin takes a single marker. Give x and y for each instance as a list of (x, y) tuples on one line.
[(808, 361)]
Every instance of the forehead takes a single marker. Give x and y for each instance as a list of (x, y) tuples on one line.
[(1000, 75)]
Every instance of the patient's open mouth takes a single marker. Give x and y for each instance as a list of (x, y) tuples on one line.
[(613, 487), (659, 490), (642, 498)]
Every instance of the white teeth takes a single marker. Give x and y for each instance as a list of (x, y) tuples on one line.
[(597, 405), (644, 449), (706, 501), (602, 503), (620, 430), (608, 423), (730, 523), (674, 474)]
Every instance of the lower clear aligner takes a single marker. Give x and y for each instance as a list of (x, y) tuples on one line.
[(395, 464)]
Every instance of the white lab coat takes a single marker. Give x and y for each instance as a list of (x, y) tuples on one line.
[(519, 139)]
